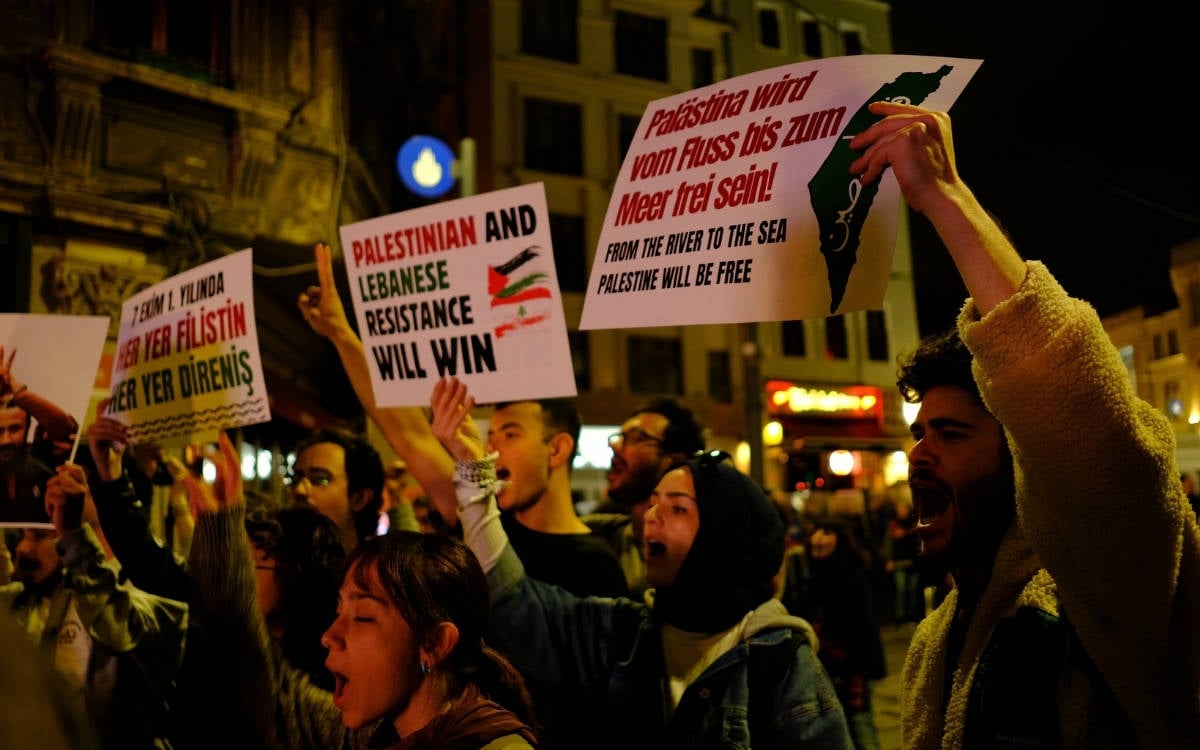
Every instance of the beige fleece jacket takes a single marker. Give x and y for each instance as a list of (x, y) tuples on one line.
[(1103, 525)]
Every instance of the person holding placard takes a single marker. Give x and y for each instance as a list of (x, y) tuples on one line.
[(25, 466), (537, 440), (1035, 464)]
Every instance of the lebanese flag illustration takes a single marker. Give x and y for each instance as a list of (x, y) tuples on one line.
[(508, 286)]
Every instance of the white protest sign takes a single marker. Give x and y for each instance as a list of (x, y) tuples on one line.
[(465, 288), (187, 360), (735, 202)]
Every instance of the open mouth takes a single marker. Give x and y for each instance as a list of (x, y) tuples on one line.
[(616, 467), (502, 473), (653, 548), (339, 689), (930, 501)]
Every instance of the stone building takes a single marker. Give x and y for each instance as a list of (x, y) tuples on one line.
[(143, 137)]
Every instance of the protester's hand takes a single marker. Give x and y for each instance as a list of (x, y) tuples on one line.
[(452, 423), (226, 491), (69, 501), (180, 496), (106, 439), (320, 304), (918, 146), (9, 386)]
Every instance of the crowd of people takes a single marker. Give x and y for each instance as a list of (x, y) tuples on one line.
[(457, 599)]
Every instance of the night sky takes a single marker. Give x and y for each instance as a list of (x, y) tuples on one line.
[(1077, 133)]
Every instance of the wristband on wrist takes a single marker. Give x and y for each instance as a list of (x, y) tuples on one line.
[(479, 472), (476, 480)]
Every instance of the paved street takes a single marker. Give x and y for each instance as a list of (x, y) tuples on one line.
[(887, 690)]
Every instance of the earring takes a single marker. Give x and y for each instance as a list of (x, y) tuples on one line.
[(423, 669)]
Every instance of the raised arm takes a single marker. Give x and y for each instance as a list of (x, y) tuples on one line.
[(406, 428), (918, 146), (239, 661), (58, 424), (149, 565), (1089, 476), (475, 483)]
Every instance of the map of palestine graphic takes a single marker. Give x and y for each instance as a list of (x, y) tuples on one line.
[(839, 200)]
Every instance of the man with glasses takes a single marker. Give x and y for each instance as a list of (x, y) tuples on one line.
[(650, 439), (341, 476), (710, 659)]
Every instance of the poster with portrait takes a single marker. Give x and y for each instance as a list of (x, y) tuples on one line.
[(48, 364)]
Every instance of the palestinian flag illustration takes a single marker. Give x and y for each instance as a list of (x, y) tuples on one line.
[(508, 284)]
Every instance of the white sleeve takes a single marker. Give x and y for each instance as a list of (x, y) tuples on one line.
[(476, 485)]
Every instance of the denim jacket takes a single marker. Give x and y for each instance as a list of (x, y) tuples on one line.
[(611, 649)]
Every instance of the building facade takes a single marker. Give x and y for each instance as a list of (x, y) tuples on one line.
[(141, 139), (569, 83), (1162, 354)]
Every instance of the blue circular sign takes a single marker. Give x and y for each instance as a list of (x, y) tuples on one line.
[(425, 165)]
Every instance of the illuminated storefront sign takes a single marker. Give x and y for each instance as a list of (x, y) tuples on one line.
[(850, 402)]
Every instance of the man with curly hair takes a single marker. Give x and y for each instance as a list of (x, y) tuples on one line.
[(1035, 463)]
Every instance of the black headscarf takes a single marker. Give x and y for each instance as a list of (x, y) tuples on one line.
[(737, 551)]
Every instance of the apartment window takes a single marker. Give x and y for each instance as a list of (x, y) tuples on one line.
[(549, 29), (877, 343), (1194, 302), (720, 377), (641, 45), (793, 343), (702, 67), (627, 126), (810, 33), (1171, 397), (1172, 342), (569, 258), (581, 359), (852, 42), (655, 365), (1159, 349), (769, 34), (836, 346), (553, 136), (189, 39)]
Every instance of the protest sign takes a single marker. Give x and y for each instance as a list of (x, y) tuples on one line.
[(465, 288), (187, 360), (735, 201), (48, 364)]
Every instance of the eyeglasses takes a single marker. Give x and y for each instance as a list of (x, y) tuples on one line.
[(316, 477), (632, 437), (709, 459)]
